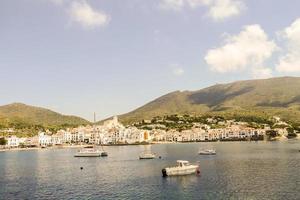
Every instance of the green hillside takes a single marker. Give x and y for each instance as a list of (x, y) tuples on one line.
[(30, 119), (264, 98)]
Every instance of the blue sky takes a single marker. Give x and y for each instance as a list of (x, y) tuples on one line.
[(112, 56)]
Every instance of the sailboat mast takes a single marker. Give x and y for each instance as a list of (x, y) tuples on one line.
[(94, 131)]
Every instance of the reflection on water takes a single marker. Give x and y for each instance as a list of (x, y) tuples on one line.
[(240, 170)]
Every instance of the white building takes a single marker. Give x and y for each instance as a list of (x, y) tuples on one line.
[(57, 139), (13, 141), (66, 136), (44, 139)]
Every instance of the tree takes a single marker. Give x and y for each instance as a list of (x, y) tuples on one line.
[(290, 130), (271, 133), (3, 141), (291, 133)]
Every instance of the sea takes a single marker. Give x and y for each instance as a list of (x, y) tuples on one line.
[(240, 170)]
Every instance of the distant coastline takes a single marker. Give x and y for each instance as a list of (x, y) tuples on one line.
[(77, 146)]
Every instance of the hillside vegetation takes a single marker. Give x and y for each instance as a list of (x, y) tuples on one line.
[(29, 119), (260, 98)]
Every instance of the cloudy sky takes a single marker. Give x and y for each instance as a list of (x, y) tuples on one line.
[(111, 56)]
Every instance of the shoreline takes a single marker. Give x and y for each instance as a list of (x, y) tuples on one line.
[(40, 148), (135, 144)]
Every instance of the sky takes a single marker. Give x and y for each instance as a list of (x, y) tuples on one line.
[(77, 57)]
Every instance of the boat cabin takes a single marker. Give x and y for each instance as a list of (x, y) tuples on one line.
[(182, 163)]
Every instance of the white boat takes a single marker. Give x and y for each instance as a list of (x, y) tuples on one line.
[(103, 153), (90, 152), (147, 155), (183, 168), (207, 152)]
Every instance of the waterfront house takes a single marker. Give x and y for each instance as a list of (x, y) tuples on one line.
[(57, 139), (44, 139), (32, 141), (12, 141)]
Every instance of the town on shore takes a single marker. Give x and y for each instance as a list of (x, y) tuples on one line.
[(112, 132)]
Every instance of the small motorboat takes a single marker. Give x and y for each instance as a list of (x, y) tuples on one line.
[(90, 152), (207, 152), (147, 155), (183, 168)]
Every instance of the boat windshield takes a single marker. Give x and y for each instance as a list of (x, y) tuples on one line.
[(182, 164)]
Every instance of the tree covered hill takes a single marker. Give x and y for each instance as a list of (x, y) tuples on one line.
[(24, 117), (261, 98)]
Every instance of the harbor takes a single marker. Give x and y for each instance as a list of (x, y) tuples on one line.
[(121, 175), (158, 100)]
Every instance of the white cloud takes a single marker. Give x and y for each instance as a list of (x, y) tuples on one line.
[(85, 15), (261, 72), (178, 71), (222, 9), (218, 9), (247, 50), (290, 62)]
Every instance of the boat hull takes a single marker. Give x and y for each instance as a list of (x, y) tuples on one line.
[(204, 153), (147, 157), (207, 152), (180, 171), (87, 155)]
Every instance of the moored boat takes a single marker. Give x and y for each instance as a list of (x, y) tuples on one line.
[(103, 153), (207, 152), (90, 152), (183, 168), (147, 155)]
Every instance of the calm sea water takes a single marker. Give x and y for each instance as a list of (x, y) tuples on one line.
[(240, 170)]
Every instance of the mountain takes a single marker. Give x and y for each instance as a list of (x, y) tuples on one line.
[(17, 113), (263, 97)]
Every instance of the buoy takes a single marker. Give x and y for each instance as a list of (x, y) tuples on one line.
[(81, 168), (198, 171)]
